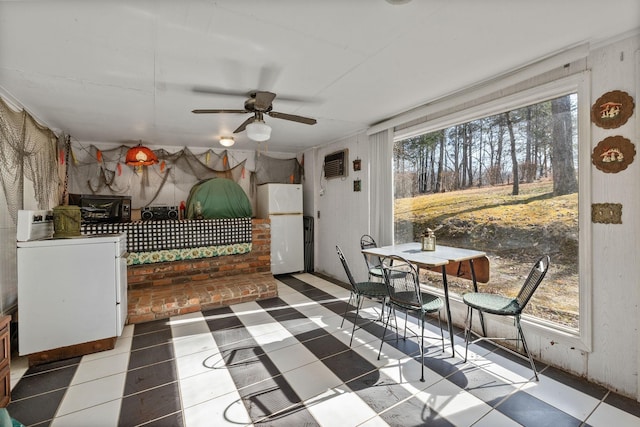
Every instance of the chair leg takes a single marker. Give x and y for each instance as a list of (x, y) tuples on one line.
[(384, 333), (526, 349), (422, 345), (467, 330), (384, 300), (406, 317), (346, 309), (359, 300), (395, 321), (441, 331)]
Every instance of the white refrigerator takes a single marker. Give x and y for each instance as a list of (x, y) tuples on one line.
[(282, 204)]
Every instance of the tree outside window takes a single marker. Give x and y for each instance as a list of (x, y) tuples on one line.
[(505, 184)]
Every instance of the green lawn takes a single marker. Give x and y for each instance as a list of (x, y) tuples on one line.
[(513, 230)]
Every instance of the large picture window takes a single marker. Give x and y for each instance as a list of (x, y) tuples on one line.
[(506, 183)]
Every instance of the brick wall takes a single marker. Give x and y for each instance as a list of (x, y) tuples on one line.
[(165, 289)]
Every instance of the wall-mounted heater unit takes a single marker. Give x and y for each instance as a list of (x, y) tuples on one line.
[(335, 164)]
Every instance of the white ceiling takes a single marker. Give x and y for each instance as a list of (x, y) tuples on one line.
[(122, 71)]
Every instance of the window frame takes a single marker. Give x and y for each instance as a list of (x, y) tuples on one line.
[(580, 84)]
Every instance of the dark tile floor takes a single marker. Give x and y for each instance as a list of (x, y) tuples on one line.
[(286, 361)]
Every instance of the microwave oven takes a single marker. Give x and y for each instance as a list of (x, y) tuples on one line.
[(96, 208)]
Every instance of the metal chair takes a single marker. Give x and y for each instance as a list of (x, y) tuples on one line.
[(403, 287), (374, 263), (504, 306), (359, 291)]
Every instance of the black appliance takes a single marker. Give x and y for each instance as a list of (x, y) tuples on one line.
[(156, 213), (97, 208)]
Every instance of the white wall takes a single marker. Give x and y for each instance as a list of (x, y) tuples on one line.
[(344, 213), (615, 357), (616, 260)]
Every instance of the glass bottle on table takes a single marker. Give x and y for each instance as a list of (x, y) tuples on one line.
[(429, 241)]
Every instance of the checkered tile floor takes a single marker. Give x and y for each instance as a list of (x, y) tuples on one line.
[(286, 361)]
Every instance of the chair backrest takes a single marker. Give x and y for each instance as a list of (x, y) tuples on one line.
[(367, 242), (537, 273), (403, 283), (353, 283)]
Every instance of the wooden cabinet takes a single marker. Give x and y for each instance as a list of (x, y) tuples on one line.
[(5, 361)]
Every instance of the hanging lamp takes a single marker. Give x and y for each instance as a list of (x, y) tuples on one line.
[(140, 156)]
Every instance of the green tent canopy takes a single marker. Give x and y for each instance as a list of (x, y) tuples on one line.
[(218, 198)]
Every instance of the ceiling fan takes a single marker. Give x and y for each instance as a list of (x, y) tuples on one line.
[(259, 103)]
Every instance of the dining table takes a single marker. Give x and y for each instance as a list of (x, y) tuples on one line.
[(459, 262)]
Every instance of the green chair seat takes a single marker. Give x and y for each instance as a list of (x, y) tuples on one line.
[(492, 303), (374, 263), (430, 303), (372, 289), (376, 272)]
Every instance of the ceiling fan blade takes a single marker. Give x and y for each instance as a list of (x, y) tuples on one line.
[(218, 111), (212, 90), (263, 100), (292, 117), (268, 76), (244, 125)]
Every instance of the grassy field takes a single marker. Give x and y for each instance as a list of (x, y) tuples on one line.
[(514, 231)]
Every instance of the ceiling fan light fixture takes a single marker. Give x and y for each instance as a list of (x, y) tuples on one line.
[(227, 141), (258, 131)]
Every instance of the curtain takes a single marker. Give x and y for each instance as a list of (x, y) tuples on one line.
[(381, 213), (28, 151)]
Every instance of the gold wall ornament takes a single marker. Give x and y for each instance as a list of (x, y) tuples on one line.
[(613, 154), (612, 109), (606, 213)]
